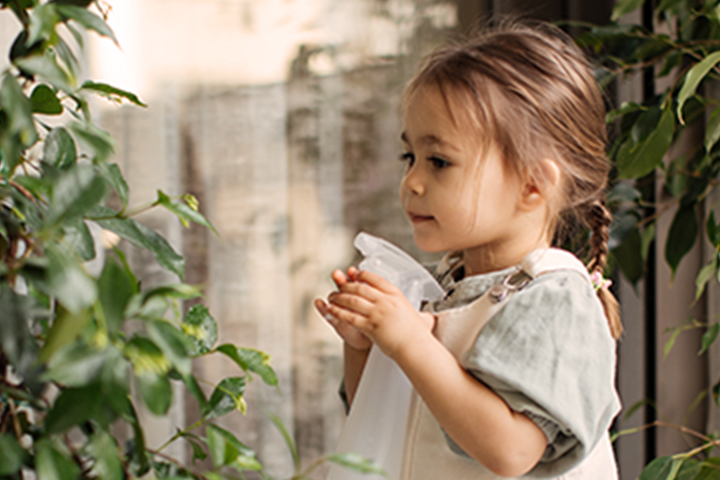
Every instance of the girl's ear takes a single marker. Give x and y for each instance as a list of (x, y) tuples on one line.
[(541, 185)]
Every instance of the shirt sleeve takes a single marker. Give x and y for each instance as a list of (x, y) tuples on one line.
[(549, 354)]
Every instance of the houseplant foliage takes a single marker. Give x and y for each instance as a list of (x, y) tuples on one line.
[(80, 352), (684, 55)]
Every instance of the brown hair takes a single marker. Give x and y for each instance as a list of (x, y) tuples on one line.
[(531, 92)]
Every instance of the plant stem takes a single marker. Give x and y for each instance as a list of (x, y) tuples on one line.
[(180, 434)]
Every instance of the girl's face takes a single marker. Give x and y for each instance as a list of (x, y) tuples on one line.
[(452, 205)]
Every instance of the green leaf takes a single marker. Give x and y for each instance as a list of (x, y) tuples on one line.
[(42, 23), (141, 236), (636, 160), (289, 442), (625, 108), (693, 78), (251, 360), (87, 19), (623, 7), (52, 463), (96, 139), (47, 69), (113, 177), (115, 287), (712, 130), (113, 93), (661, 468), (78, 190), (18, 112), (689, 470), (709, 337), (201, 329), (11, 455), (67, 281), (712, 229), (671, 341), (703, 276), (193, 387), (227, 397), (76, 365), (18, 344), (225, 449), (682, 236), (59, 149), (629, 256), (709, 469), (150, 367), (173, 344), (356, 462), (102, 448), (73, 406), (198, 452), (78, 239), (44, 100), (184, 212), (64, 330)]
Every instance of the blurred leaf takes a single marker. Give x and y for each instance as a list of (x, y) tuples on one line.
[(709, 337), (112, 93), (689, 470), (225, 449), (53, 464), (102, 448), (289, 442), (712, 130), (356, 462), (87, 19), (709, 469), (704, 275), (98, 140), (64, 330), (11, 455), (42, 23), (671, 341), (18, 345), (150, 367), (19, 128), (648, 236), (172, 343), (693, 78), (73, 406), (59, 149), (712, 229), (141, 236), (193, 387), (184, 212), (623, 7), (79, 239), (67, 281), (113, 177), (181, 291), (75, 192), (682, 236), (201, 329), (76, 365), (625, 108), (621, 192), (662, 468), (47, 69), (636, 160), (44, 100), (227, 396), (115, 288), (629, 257), (198, 452), (251, 360)]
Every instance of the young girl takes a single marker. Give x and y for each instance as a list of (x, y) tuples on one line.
[(513, 370)]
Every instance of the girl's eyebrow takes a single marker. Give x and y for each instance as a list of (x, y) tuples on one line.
[(430, 140)]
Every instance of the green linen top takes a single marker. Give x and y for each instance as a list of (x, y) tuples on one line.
[(549, 354)]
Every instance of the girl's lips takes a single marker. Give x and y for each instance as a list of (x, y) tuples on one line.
[(415, 218)]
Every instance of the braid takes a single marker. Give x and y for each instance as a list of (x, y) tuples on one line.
[(599, 219)]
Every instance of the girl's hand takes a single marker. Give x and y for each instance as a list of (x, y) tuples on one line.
[(351, 335), (379, 310)]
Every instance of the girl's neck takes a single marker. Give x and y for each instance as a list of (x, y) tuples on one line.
[(491, 258)]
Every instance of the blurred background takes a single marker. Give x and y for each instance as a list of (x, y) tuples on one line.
[(281, 117)]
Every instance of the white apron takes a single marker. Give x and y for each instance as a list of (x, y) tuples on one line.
[(390, 423)]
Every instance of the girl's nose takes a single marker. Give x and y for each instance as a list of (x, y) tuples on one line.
[(412, 182)]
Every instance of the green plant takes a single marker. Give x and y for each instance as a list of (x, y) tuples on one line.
[(683, 54), (72, 344)]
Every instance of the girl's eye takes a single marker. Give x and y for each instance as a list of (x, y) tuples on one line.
[(408, 157), (439, 163)]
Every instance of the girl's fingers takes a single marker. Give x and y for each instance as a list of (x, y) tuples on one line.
[(350, 301), (374, 280), (339, 278)]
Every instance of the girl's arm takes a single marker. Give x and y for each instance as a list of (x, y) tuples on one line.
[(506, 442)]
